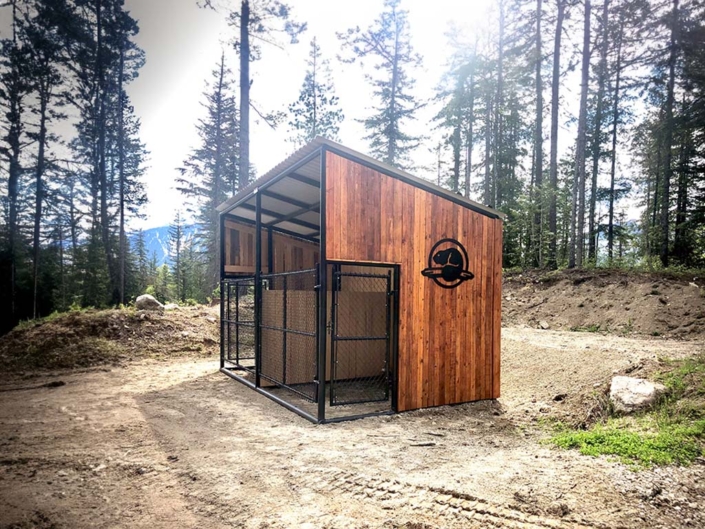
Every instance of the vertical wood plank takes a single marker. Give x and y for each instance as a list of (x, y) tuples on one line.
[(497, 310), (448, 338)]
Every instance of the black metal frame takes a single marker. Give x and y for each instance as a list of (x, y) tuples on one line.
[(393, 320), (250, 222), (285, 330), (230, 321), (321, 288), (338, 275)]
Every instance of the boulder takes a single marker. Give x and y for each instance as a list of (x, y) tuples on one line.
[(147, 302), (171, 306), (628, 394)]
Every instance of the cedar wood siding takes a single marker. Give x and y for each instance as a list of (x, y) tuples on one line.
[(449, 339)]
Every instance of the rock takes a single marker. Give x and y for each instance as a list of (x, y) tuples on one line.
[(171, 306), (543, 324), (628, 394), (210, 319), (147, 302)]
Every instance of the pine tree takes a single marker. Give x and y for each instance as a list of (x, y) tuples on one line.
[(14, 90), (316, 112), (142, 263), (551, 261), (257, 22), (387, 45), (41, 32), (577, 232), (176, 249), (208, 174)]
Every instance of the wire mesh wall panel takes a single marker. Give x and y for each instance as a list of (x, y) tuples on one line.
[(288, 327), (360, 341), (239, 322)]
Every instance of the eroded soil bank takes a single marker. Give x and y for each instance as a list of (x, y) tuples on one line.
[(614, 301)]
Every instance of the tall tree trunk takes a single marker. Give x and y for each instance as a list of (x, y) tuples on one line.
[(315, 92), (576, 251), (488, 151), (215, 199), (244, 162), (39, 197), (597, 133), (668, 138), (552, 262), (121, 174), (104, 191), (471, 123), (393, 118), (15, 96), (498, 143), (456, 154), (615, 122), (62, 267), (657, 194), (680, 245), (582, 137), (538, 146)]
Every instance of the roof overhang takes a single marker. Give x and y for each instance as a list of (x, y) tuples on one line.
[(290, 192)]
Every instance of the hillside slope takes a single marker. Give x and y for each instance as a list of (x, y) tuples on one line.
[(606, 301), (108, 337)]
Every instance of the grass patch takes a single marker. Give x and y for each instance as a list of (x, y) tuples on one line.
[(685, 378), (671, 444), (595, 327), (673, 433)]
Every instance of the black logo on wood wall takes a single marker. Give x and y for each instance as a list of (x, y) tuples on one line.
[(447, 264)]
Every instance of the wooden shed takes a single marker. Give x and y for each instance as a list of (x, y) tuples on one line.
[(351, 288)]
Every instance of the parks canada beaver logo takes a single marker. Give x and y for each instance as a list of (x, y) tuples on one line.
[(447, 264)]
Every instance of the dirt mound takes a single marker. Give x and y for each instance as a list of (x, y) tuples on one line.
[(109, 337), (613, 301)]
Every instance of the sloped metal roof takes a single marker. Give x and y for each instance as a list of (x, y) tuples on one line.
[(296, 177)]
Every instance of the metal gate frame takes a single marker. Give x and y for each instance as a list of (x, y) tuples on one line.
[(228, 287), (335, 337), (285, 330)]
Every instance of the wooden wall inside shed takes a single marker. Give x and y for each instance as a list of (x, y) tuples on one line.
[(289, 253), (449, 339)]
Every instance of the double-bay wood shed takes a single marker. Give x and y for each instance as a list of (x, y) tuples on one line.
[(350, 288)]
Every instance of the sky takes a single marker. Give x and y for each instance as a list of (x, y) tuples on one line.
[(183, 43)]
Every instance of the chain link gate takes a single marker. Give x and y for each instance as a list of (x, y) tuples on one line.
[(360, 337), (239, 322), (288, 327)]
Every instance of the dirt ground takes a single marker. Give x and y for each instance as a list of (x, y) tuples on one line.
[(171, 442)]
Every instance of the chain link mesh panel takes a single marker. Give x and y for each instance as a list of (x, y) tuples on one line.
[(360, 338), (289, 315), (239, 330)]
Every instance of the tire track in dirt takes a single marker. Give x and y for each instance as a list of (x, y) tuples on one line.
[(437, 503)]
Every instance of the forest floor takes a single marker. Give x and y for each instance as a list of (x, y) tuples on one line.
[(152, 435)]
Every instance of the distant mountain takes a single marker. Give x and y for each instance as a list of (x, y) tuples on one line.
[(157, 242)]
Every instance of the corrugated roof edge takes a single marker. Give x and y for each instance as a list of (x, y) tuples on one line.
[(319, 142)]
